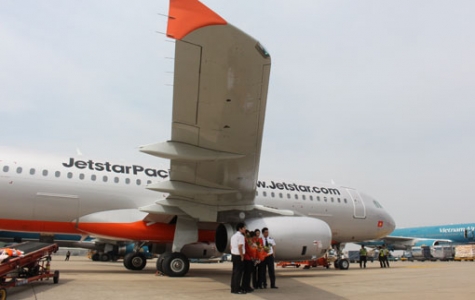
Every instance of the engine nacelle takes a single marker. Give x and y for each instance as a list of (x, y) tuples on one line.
[(296, 238), (431, 242), (201, 250)]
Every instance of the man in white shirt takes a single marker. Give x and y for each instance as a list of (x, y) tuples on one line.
[(237, 252), (268, 263)]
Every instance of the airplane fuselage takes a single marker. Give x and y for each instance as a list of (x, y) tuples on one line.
[(457, 233), (83, 196)]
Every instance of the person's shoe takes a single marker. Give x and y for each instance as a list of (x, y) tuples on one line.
[(250, 290), (274, 287)]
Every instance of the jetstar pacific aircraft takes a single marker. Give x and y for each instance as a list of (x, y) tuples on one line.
[(189, 211)]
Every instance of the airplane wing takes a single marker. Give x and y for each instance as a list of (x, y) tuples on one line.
[(219, 98)]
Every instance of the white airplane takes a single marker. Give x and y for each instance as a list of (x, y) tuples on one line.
[(220, 89)]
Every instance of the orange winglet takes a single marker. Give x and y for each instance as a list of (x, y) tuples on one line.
[(184, 16)]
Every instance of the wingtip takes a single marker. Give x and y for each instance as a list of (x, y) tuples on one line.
[(184, 16)]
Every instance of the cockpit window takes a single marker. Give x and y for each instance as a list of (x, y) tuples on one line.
[(376, 203)]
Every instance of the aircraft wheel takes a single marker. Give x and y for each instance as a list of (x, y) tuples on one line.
[(126, 264), (344, 264), (175, 265), (3, 294), (56, 276), (95, 257), (105, 257), (160, 260), (336, 264), (135, 261)]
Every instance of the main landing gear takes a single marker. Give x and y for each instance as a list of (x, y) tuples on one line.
[(173, 264)]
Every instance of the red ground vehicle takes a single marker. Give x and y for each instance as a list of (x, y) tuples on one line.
[(33, 265), (322, 261)]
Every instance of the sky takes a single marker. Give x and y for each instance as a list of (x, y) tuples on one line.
[(375, 95)]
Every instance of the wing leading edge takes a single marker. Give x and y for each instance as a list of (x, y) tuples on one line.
[(219, 99)]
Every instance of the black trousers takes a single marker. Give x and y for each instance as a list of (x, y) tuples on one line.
[(255, 276), (238, 270), (386, 261), (246, 277), (382, 261), (363, 260), (267, 265)]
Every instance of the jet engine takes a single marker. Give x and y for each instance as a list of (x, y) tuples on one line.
[(296, 238), (201, 250), (431, 242)]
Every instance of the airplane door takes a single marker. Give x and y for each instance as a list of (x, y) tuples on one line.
[(359, 208)]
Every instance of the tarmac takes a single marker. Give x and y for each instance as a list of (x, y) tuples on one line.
[(81, 278)]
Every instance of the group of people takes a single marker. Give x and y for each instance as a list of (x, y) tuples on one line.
[(382, 256), (253, 258)]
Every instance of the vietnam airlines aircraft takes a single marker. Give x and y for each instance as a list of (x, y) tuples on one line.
[(189, 211), (406, 238)]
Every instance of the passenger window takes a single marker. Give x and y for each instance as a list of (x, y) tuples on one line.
[(339, 201), (57, 173), (138, 181), (70, 175), (257, 193), (32, 171), (272, 194), (81, 176), (325, 199), (288, 196), (318, 198), (264, 194), (19, 170), (280, 195), (303, 197), (45, 172), (127, 180), (333, 200), (149, 181), (345, 200), (5, 168), (116, 179), (311, 198), (93, 177), (104, 178), (296, 196)]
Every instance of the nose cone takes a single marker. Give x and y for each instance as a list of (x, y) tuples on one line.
[(388, 223)]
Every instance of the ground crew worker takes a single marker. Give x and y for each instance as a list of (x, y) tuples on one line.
[(363, 256), (386, 256), (382, 261)]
